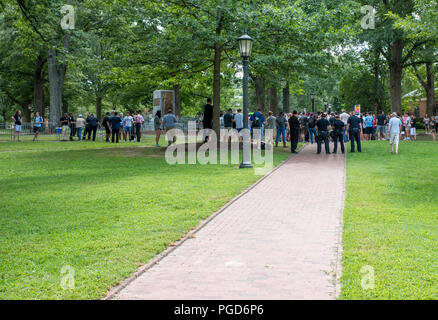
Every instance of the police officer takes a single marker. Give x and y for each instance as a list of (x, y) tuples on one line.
[(338, 134), (354, 126), (294, 127), (323, 128)]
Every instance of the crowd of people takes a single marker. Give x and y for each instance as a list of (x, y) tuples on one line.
[(320, 128), (326, 127)]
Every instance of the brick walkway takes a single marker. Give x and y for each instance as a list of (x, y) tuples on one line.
[(281, 240)]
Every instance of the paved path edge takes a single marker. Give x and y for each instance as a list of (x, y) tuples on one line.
[(142, 269), (340, 227)]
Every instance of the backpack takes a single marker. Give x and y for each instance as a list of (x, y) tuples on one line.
[(256, 122), (311, 122)]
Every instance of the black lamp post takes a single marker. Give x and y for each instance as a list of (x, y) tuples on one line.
[(283, 85), (313, 102), (245, 47)]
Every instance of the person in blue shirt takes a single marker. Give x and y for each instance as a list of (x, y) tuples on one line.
[(37, 124), (369, 126), (256, 121)]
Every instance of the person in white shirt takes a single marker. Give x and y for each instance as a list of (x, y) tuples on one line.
[(139, 120), (395, 126), (344, 118), (127, 125)]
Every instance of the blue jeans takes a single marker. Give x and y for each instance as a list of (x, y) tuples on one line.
[(79, 133), (279, 132), (312, 132)]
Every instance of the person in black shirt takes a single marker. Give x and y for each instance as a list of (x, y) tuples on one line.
[(311, 125), (294, 127), (17, 124), (115, 126), (72, 125), (381, 126), (413, 128), (323, 127), (106, 125), (207, 120), (338, 134), (354, 126), (87, 126)]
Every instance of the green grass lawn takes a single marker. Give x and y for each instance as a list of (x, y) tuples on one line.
[(100, 208), (391, 222)]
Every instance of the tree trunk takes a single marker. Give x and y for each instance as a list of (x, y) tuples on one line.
[(57, 71), (99, 108), (430, 89), (176, 89), (260, 93), (287, 92), (396, 72), (376, 81), (273, 100), (26, 112), (38, 86), (217, 74), (217, 88)]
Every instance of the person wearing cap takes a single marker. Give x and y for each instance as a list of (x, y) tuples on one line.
[(80, 124), (395, 126), (323, 127)]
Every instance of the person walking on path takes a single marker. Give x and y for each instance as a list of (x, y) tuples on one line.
[(37, 123), (280, 122), (169, 123), (312, 130), (395, 127), (381, 125), (207, 120), (64, 127), (115, 127), (72, 125), (294, 125), (139, 120), (354, 127), (157, 127), (344, 118), (323, 128), (80, 124), (338, 129)]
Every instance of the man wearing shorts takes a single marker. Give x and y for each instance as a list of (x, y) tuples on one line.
[(369, 125), (395, 126), (381, 124)]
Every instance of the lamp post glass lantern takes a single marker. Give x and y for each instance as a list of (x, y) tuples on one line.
[(245, 47)]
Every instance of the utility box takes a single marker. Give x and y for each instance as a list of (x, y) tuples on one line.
[(163, 100)]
